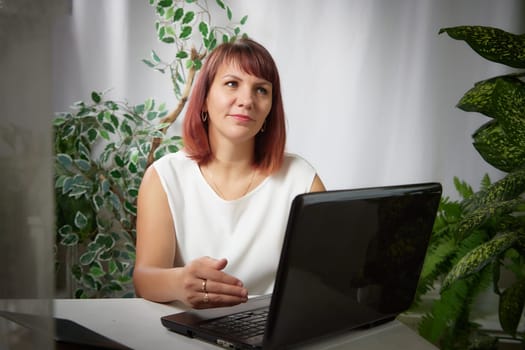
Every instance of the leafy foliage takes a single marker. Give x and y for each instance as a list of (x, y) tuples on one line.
[(501, 142), (184, 23), (483, 234), (103, 147), (493, 44), (101, 151)]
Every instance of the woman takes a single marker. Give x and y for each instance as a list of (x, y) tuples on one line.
[(211, 217)]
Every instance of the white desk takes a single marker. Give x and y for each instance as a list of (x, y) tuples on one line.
[(136, 323)]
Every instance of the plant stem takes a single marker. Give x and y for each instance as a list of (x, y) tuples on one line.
[(173, 115)]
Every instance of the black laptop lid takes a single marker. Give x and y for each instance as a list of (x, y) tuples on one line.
[(356, 253)]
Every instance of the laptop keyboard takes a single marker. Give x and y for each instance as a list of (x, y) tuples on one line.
[(244, 324)]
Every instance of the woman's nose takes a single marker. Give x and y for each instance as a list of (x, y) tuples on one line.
[(245, 98)]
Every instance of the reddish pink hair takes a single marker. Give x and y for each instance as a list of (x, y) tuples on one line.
[(255, 60)]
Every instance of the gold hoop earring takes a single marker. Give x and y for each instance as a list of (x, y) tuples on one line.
[(204, 116)]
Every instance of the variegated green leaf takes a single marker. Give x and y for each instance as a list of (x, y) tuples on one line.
[(96, 97), (130, 208), (64, 160), (114, 200), (80, 294), (168, 40), (497, 148), (96, 272), (188, 17), (89, 281), (149, 104), (87, 258), (94, 246), (83, 165), (478, 216), (509, 105), (480, 257), (492, 43), (165, 3), (204, 29), (510, 187), (155, 57), (482, 97), (92, 134), (221, 4), (105, 255), (115, 286), (69, 239), (80, 220), (65, 230), (185, 32), (148, 63), (105, 240), (511, 304), (179, 13), (501, 143), (82, 150)]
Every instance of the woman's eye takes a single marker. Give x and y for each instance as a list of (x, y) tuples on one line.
[(231, 84), (262, 91)]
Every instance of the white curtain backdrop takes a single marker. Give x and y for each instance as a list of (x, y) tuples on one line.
[(369, 86)]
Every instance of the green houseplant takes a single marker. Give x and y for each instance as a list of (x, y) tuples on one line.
[(103, 147), (481, 237)]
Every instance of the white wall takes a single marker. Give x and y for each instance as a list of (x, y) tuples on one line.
[(369, 86)]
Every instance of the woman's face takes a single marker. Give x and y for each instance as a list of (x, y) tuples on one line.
[(237, 103)]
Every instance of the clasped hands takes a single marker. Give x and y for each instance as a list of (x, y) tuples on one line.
[(205, 285)]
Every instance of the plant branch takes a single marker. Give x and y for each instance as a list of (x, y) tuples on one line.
[(173, 115)]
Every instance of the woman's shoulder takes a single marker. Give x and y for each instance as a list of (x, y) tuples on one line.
[(295, 175), (176, 157), (175, 160), (296, 161), (296, 166)]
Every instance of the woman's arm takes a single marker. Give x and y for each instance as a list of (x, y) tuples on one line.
[(154, 276), (317, 185)]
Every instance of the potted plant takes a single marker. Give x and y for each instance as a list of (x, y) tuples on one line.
[(103, 147), (480, 238)]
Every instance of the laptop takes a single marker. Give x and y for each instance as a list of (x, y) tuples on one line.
[(350, 259)]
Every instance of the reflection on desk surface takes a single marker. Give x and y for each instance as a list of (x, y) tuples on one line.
[(68, 334)]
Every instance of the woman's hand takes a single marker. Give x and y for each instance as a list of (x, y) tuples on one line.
[(200, 284), (205, 285)]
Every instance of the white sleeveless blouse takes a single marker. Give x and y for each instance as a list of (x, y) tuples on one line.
[(248, 231)]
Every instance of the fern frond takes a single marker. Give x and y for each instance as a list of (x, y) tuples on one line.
[(449, 212), (447, 323), (438, 260), (485, 279), (485, 182), (463, 188), (435, 325), (437, 263)]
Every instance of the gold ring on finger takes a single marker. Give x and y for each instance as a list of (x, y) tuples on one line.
[(204, 286), (206, 298)]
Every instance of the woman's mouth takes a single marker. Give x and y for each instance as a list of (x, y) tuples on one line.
[(241, 117)]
